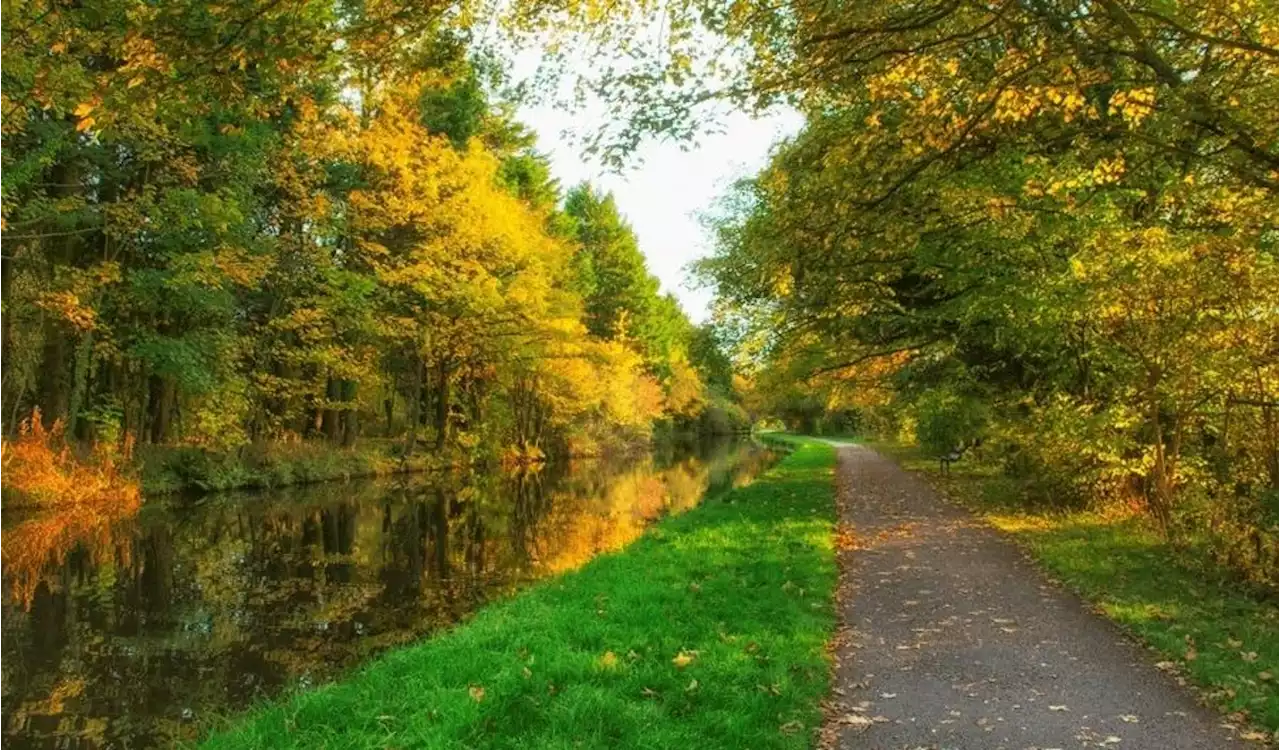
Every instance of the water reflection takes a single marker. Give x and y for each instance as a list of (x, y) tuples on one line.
[(132, 631)]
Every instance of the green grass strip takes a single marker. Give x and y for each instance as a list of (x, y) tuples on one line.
[(1222, 638), (708, 632)]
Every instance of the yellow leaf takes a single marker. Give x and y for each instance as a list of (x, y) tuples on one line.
[(683, 659), (84, 124), (58, 48), (609, 660), (477, 693), (83, 109)]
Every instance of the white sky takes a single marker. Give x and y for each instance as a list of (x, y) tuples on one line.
[(663, 188)]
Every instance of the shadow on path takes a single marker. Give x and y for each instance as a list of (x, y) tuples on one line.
[(951, 639)]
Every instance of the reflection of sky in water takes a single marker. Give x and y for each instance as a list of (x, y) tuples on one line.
[(132, 631)]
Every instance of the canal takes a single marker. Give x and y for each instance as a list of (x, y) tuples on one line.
[(142, 630)]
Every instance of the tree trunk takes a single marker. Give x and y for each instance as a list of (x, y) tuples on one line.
[(55, 367), (1161, 499), (1269, 430), (443, 403), (55, 370), (350, 415), (329, 415), (415, 408), (5, 314), (161, 405), (389, 403), (79, 383)]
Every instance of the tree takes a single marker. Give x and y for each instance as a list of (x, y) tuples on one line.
[(1062, 212)]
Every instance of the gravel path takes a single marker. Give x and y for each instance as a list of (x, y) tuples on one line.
[(952, 640)]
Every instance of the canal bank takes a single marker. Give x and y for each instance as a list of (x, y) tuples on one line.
[(708, 631), (142, 628)]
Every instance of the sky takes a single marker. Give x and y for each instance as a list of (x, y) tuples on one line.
[(665, 187)]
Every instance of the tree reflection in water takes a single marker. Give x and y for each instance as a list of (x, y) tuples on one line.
[(138, 628)]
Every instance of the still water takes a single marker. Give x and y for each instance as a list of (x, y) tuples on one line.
[(138, 631)]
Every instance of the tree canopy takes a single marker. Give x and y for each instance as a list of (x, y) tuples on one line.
[(1048, 225), (259, 221)]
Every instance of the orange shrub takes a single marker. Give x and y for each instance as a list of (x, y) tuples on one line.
[(39, 468)]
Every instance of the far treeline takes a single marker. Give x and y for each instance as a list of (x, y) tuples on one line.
[(1045, 229), (234, 224)]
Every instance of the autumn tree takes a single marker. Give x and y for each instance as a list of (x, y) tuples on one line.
[(232, 225), (1065, 213)]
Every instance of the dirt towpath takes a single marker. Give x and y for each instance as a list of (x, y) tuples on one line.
[(953, 640)]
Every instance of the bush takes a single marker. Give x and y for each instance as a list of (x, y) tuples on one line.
[(723, 418), (40, 468), (946, 421), (169, 468)]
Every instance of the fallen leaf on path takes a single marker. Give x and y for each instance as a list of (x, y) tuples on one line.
[(1057, 708), (1129, 718), (888, 695)]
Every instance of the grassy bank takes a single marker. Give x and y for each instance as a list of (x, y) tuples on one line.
[(1221, 637), (709, 631)]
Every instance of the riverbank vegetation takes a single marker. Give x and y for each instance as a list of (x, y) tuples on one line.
[(238, 226), (710, 630), (41, 470)]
